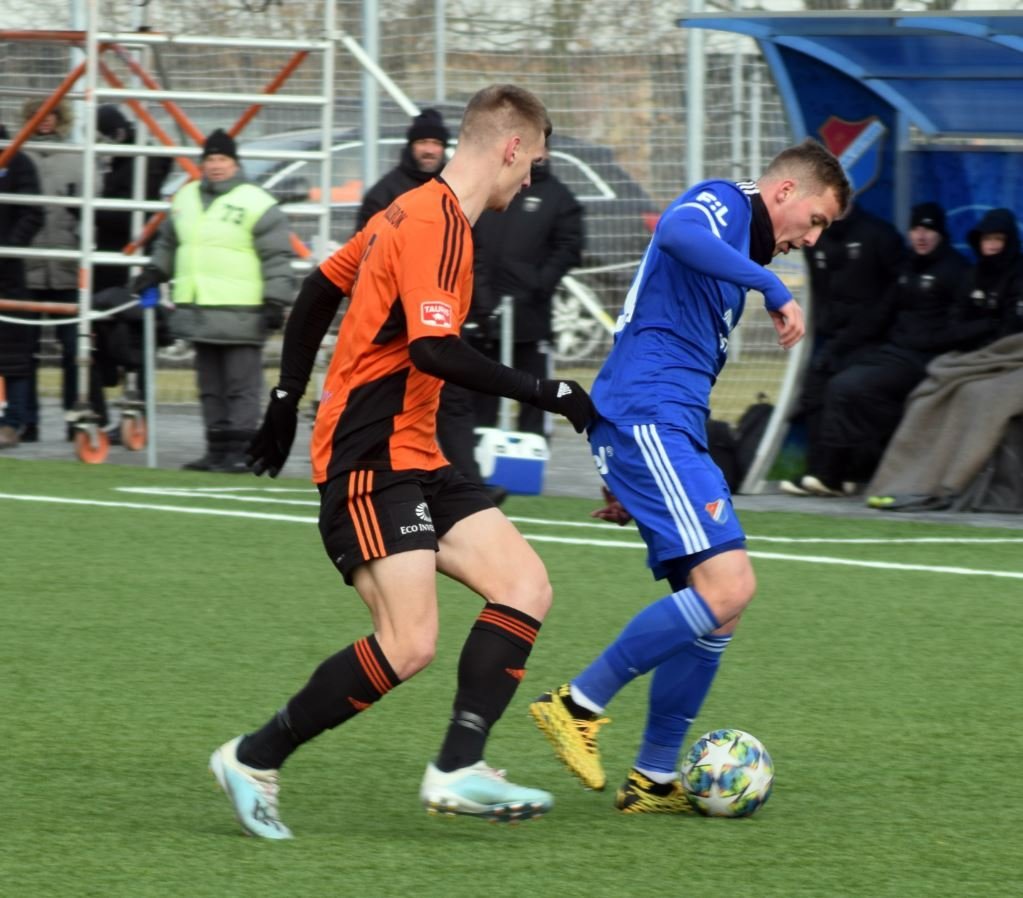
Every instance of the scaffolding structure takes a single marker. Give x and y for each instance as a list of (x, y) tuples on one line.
[(99, 84)]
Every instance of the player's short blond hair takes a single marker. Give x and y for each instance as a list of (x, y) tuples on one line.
[(815, 169), (502, 109)]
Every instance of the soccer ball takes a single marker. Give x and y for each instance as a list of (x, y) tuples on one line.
[(727, 773)]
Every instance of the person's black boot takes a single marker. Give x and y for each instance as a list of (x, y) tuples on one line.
[(216, 450), (235, 456)]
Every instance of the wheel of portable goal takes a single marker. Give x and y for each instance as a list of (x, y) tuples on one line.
[(92, 450), (134, 432)]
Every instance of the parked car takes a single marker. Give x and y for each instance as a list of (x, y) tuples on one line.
[(619, 217)]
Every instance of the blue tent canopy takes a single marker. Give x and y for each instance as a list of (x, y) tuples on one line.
[(860, 80)]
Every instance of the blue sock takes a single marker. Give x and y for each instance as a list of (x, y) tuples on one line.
[(677, 691), (658, 632)]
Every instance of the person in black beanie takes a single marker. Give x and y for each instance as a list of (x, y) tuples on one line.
[(422, 158), (863, 404), (226, 247), (118, 340)]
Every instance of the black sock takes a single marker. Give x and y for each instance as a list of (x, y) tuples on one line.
[(490, 669), (341, 687), (267, 748)]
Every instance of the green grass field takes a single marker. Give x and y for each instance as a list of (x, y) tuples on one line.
[(140, 629)]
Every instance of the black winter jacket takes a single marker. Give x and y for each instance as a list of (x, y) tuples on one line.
[(113, 228), (852, 267), (18, 225), (401, 179), (525, 251), (923, 302), (991, 302)]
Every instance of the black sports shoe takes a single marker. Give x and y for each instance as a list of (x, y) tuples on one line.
[(641, 795)]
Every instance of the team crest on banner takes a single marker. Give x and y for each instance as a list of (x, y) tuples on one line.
[(857, 146), (718, 510)]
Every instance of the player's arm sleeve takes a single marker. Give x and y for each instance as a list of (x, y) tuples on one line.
[(453, 360), (315, 307), (690, 235)]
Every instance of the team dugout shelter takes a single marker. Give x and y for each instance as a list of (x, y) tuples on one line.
[(917, 106)]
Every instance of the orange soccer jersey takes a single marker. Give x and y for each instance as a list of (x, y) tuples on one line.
[(409, 275)]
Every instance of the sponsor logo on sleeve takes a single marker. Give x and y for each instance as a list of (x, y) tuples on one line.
[(436, 314)]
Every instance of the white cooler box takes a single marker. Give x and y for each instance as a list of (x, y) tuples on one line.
[(511, 459)]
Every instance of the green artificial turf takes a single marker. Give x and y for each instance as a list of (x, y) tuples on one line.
[(133, 641)]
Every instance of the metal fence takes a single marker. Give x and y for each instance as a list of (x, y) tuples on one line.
[(615, 85)]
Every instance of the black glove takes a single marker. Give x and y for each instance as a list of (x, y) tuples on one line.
[(148, 277), (269, 449), (273, 315), (565, 397)]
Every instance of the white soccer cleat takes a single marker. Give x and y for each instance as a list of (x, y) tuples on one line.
[(481, 791), (253, 793)]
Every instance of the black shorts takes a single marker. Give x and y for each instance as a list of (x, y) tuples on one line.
[(372, 514)]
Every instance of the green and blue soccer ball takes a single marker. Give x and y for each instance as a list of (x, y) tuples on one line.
[(727, 773)]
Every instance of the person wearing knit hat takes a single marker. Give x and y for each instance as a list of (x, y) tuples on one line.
[(111, 123), (226, 246), (422, 158), (864, 403), (118, 339), (930, 216), (220, 143), (927, 228), (428, 125)]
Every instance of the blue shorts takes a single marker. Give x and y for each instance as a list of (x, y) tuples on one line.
[(672, 488)]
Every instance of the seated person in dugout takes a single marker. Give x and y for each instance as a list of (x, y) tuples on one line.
[(955, 419)]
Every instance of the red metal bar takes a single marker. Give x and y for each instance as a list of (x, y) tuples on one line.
[(73, 37), (28, 305), (151, 123), (172, 108), (275, 85)]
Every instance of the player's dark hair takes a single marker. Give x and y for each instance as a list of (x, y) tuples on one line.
[(503, 107), (816, 169)]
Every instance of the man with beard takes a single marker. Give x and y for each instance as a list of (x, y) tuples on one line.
[(421, 160)]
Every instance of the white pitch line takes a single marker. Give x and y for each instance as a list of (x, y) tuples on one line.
[(230, 494), (141, 506), (540, 538), (225, 497)]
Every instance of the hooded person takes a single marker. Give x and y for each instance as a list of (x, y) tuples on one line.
[(422, 158), (117, 341), (113, 226), (991, 302)]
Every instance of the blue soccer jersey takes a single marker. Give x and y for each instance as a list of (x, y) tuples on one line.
[(671, 339)]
